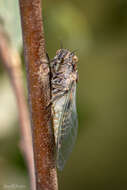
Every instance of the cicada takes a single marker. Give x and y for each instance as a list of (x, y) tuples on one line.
[(64, 77)]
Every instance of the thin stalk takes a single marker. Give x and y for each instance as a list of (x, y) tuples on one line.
[(12, 63), (39, 94)]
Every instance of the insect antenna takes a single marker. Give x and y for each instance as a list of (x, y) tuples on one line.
[(74, 51), (61, 44)]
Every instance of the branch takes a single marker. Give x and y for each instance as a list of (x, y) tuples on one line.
[(39, 94), (11, 61)]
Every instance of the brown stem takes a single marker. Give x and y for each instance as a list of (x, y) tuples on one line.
[(39, 94), (11, 61)]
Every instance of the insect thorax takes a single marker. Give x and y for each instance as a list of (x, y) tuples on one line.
[(64, 71)]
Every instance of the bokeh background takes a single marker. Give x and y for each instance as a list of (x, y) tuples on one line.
[(98, 29)]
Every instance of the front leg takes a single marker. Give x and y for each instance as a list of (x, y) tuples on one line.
[(57, 96)]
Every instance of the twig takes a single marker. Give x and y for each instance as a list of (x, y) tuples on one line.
[(39, 94), (11, 61)]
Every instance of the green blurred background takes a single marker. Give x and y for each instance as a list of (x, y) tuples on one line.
[(98, 29)]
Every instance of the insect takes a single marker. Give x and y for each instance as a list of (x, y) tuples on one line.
[(63, 84)]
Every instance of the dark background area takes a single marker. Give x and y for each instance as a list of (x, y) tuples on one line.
[(98, 29)]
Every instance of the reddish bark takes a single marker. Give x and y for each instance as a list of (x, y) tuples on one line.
[(39, 94)]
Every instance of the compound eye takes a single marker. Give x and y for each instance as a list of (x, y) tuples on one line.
[(75, 58)]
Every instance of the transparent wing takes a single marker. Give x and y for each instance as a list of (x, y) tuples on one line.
[(67, 130)]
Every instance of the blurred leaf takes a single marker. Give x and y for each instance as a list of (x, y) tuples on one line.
[(67, 24)]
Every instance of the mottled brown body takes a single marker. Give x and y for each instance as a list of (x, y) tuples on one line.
[(63, 85), (64, 72)]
